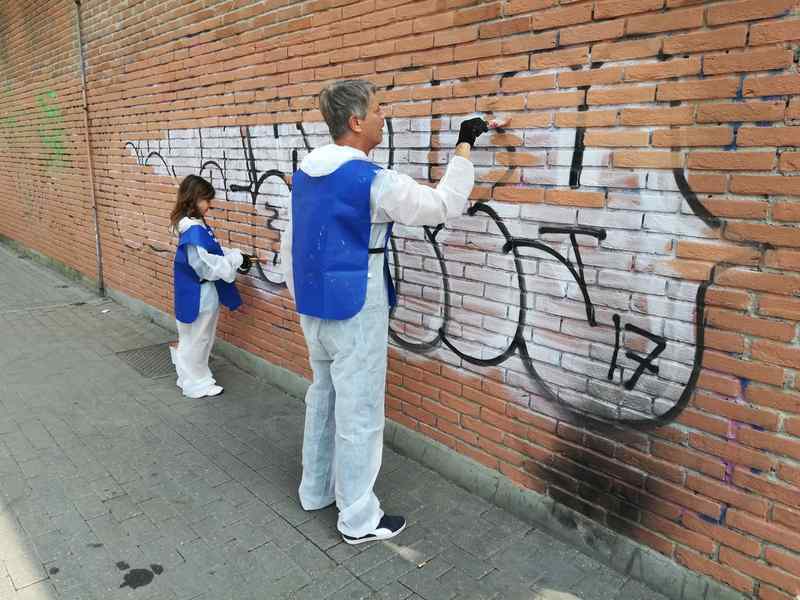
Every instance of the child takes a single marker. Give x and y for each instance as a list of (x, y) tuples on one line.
[(204, 273)]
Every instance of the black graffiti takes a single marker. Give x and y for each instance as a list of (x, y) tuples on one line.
[(511, 245), (647, 362)]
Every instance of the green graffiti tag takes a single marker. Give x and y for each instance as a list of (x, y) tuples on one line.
[(52, 132)]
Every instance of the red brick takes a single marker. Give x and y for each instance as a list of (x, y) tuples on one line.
[(779, 306), (608, 30), (734, 321), (606, 138), (729, 494), (701, 564), (560, 58), (529, 43), (671, 20), (719, 39), (737, 411), (680, 496), (682, 115), (747, 10), (771, 32), (515, 7), (732, 161), (621, 94), (678, 533), (680, 67), (693, 136), (626, 50), (777, 85), (741, 112), (606, 9), (783, 493), (760, 60), (561, 17), (758, 570), (718, 87)]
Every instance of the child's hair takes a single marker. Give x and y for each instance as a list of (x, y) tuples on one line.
[(192, 189)]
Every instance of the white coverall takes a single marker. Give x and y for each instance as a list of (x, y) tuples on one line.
[(343, 438), (196, 339)]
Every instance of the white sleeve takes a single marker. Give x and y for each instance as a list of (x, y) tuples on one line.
[(213, 267), (407, 202), (286, 255)]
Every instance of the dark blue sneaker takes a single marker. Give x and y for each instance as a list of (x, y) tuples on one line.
[(387, 528)]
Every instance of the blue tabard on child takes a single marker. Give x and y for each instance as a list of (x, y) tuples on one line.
[(187, 283), (330, 241)]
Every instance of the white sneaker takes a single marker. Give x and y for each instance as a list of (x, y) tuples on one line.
[(387, 528), (215, 390)]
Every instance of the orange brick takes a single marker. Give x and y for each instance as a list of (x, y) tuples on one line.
[(663, 70), (455, 36), (561, 17), (681, 115), (530, 43), (575, 198), (515, 7), (503, 65), (570, 79), (693, 136), (769, 136), (741, 112), (602, 137), (594, 118), (789, 161), (555, 99), (561, 58), (528, 84), (626, 50), (732, 161), (748, 10), (671, 20), (783, 259), (760, 60), (786, 211), (772, 32), (727, 37), (730, 577), (763, 232), (765, 184), (459, 106), (779, 85), (621, 94), (607, 30), (779, 306), (607, 9), (722, 87), (478, 50), (505, 27), (479, 13), (647, 160)]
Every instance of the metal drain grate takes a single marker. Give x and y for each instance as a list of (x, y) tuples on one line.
[(150, 361)]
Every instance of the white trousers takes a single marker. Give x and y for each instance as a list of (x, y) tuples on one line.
[(343, 438), (191, 356)]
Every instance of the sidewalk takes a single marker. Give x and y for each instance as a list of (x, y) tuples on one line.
[(112, 485)]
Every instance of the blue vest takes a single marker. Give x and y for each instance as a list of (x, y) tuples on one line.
[(330, 241), (187, 283)]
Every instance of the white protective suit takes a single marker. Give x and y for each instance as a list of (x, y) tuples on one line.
[(196, 339), (343, 439)]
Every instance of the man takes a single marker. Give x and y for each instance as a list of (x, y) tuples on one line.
[(334, 256)]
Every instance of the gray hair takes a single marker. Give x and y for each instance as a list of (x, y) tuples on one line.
[(341, 100)]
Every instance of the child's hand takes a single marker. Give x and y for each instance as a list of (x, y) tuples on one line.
[(263, 260)]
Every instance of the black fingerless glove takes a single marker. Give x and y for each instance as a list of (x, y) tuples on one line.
[(247, 262), (470, 130)]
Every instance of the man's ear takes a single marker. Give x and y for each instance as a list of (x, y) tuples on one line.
[(354, 123)]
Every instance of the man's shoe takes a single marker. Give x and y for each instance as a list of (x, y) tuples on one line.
[(387, 528)]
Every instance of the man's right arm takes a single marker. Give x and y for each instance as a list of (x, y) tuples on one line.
[(407, 202)]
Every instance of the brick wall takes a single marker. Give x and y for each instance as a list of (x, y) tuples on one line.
[(632, 253), (46, 201)]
